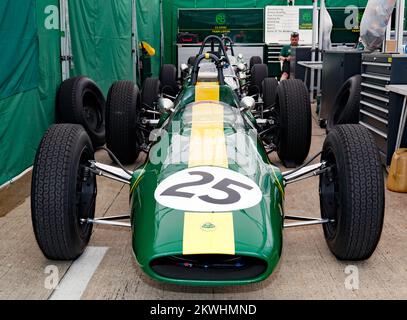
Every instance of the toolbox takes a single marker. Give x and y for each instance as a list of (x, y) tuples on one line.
[(380, 109)]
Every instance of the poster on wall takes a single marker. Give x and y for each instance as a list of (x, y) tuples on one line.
[(241, 25), (281, 21)]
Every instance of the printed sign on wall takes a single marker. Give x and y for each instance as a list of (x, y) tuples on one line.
[(281, 21)]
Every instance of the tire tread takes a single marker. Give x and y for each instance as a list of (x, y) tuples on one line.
[(363, 191), (50, 194)]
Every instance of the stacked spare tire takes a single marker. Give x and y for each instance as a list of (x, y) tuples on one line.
[(346, 106), (80, 101)]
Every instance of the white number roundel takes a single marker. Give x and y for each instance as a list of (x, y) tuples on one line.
[(208, 189)]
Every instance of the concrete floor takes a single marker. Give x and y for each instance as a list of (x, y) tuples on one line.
[(307, 269)]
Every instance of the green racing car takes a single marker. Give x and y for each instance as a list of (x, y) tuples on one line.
[(207, 205)]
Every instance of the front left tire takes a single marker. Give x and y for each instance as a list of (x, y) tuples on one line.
[(63, 192)]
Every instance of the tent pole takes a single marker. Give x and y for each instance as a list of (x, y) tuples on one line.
[(162, 33), (314, 46), (400, 6), (135, 43), (320, 42), (63, 40), (134, 38), (66, 50), (70, 63), (388, 30), (387, 36)]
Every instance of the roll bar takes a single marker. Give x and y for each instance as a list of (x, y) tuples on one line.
[(227, 39), (214, 39), (218, 63)]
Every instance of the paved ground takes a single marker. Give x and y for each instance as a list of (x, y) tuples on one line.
[(108, 271)]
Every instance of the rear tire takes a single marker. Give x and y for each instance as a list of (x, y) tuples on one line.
[(269, 86), (259, 72), (122, 116), (353, 194), (191, 61), (80, 101), (168, 79), (150, 93), (346, 107), (63, 192), (255, 60), (294, 138)]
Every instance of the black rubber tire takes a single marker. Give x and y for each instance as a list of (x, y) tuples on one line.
[(322, 123), (355, 197), (259, 72), (255, 60), (168, 79), (346, 106), (269, 88), (57, 193), (191, 61), (295, 127), (122, 116), (80, 101), (150, 93)]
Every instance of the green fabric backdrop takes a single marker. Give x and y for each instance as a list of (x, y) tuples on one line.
[(101, 41), (101, 33), (149, 29), (19, 47), (25, 116)]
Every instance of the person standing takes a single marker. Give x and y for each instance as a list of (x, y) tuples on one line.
[(285, 55)]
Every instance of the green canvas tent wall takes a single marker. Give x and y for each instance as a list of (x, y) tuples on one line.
[(171, 14), (149, 29), (30, 66)]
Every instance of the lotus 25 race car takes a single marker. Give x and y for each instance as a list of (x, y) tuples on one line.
[(207, 205)]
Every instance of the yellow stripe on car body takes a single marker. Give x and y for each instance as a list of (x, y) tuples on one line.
[(208, 233)]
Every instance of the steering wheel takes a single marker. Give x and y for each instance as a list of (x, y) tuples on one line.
[(208, 56)]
